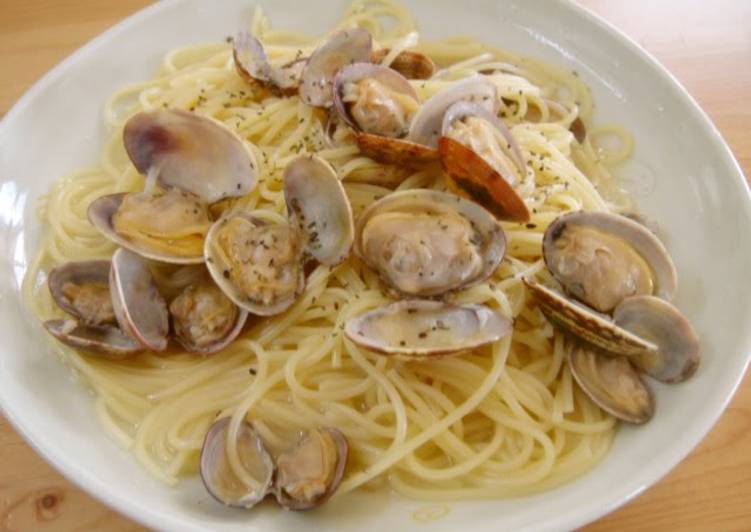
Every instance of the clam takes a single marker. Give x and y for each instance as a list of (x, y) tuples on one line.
[(253, 66), (190, 152), (425, 243), (82, 289), (379, 105), (422, 329), (310, 472), (218, 476), (342, 48), (586, 324), (677, 355), (104, 340), (257, 264), (600, 259), (483, 159), (166, 227), (426, 127), (139, 307), (612, 383), (410, 64), (318, 206), (204, 320)]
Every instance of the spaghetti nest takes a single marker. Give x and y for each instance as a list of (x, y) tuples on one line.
[(502, 420)]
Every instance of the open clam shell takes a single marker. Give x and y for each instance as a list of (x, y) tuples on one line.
[(678, 347), (104, 340), (612, 383), (318, 205), (258, 265), (601, 258), (253, 66), (586, 324), (425, 242), (101, 213), (428, 122), (204, 319), (410, 64), (310, 472), (421, 329), (381, 139), (191, 152), (82, 289), (342, 48), (139, 307), (217, 475)]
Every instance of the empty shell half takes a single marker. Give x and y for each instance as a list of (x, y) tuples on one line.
[(318, 205), (221, 480), (257, 264), (612, 383), (191, 152), (656, 320), (422, 329), (139, 307), (586, 324), (424, 243), (311, 471)]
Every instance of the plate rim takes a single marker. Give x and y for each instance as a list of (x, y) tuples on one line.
[(89, 483)]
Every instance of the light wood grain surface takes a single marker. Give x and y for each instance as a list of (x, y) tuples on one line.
[(707, 45)]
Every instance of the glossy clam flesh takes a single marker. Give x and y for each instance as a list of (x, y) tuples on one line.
[(204, 320), (82, 289), (601, 259), (318, 206), (255, 263), (426, 127), (483, 159), (342, 48), (423, 329), (221, 481), (310, 472), (375, 99), (677, 355), (139, 307), (191, 152), (612, 383), (166, 227), (425, 243)]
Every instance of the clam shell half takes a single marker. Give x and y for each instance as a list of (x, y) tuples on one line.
[(422, 329)]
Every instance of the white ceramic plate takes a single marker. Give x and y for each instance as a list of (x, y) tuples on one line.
[(688, 182)]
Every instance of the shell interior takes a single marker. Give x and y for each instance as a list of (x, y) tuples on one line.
[(106, 340), (318, 205), (423, 329)]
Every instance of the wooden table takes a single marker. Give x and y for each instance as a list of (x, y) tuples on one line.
[(707, 45)]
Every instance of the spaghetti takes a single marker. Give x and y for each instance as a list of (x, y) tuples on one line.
[(500, 421)]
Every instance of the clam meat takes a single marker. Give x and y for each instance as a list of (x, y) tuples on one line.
[(426, 243), (310, 472), (256, 263), (600, 259)]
